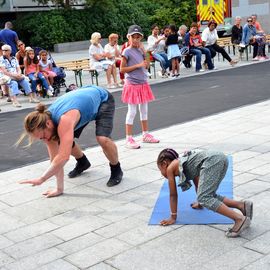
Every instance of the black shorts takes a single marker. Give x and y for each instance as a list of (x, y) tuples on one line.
[(104, 119)]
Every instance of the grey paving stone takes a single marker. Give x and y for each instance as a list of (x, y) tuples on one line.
[(260, 244), (31, 231), (122, 212), (249, 164), (243, 178), (35, 261), (265, 178), (3, 206), (119, 227), (132, 179), (32, 246), (262, 170), (81, 227), (9, 223), (97, 253), (29, 214), (262, 148), (251, 188), (80, 243), (75, 215), (261, 264), (175, 250), (5, 242), (144, 233), (59, 265), (101, 266), (234, 259), (244, 155), (261, 216), (5, 259)]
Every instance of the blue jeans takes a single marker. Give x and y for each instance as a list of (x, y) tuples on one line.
[(198, 53), (162, 58), (34, 79), (13, 85)]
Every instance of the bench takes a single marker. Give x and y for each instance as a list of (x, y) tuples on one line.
[(226, 42), (78, 66)]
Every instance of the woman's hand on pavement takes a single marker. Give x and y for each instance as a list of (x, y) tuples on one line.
[(33, 182), (53, 193)]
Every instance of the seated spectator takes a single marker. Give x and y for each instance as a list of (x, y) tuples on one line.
[(113, 54), (261, 40), (210, 37), (237, 31), (98, 59), (156, 45), (21, 54), (248, 37), (11, 68), (194, 42), (45, 67), (31, 65), (259, 30), (183, 47), (4, 87)]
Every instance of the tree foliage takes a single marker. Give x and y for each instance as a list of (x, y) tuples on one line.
[(65, 24)]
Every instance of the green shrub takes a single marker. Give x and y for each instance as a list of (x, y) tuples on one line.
[(44, 29)]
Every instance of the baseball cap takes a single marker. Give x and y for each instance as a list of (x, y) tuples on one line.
[(135, 29)]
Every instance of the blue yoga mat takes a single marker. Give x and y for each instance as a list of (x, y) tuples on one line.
[(187, 215)]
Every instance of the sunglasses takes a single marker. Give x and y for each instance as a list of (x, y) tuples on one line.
[(249, 20), (5, 50), (19, 45)]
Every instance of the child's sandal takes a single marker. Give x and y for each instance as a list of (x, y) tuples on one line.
[(245, 224)]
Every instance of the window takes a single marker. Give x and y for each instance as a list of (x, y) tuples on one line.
[(205, 2)]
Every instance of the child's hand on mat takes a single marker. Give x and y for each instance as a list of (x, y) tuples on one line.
[(53, 193), (166, 222), (33, 182), (196, 205)]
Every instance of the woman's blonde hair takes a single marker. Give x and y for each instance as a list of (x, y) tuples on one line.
[(113, 35), (33, 121), (95, 38)]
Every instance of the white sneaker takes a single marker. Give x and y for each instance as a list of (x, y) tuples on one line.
[(51, 88), (111, 86), (200, 70), (49, 93), (131, 144)]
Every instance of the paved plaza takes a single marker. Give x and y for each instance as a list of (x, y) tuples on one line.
[(99, 228)]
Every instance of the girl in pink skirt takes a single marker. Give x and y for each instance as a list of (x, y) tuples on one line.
[(136, 90)]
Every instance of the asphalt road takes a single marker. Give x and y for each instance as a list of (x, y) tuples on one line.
[(177, 101)]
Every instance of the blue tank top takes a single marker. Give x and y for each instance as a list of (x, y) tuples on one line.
[(87, 100)]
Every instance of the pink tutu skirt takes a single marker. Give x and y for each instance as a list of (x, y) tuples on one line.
[(137, 93)]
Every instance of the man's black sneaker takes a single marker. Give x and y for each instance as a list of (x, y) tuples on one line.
[(79, 168), (116, 177)]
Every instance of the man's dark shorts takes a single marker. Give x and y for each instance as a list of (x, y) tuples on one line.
[(104, 119)]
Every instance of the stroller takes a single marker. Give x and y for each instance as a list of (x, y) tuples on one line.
[(59, 80)]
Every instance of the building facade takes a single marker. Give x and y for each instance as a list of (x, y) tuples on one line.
[(245, 8)]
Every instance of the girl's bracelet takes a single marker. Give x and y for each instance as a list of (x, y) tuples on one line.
[(174, 214)]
